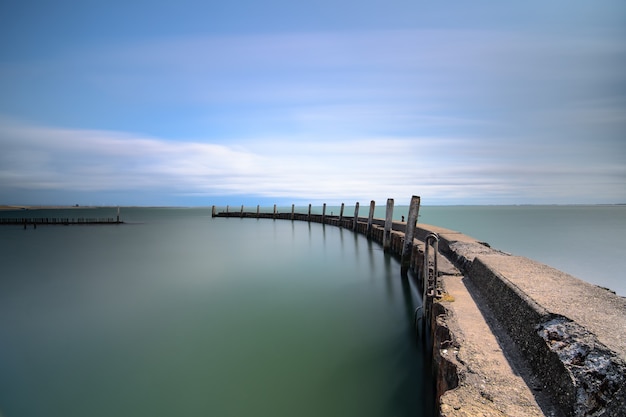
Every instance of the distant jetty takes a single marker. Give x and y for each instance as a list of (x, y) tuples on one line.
[(59, 221)]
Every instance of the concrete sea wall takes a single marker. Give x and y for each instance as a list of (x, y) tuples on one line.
[(509, 336)]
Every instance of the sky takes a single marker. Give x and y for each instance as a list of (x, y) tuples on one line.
[(195, 103)]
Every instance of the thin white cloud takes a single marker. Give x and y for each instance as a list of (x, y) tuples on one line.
[(44, 158)]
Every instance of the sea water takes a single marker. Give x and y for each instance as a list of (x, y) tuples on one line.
[(178, 314), (175, 313), (586, 241)]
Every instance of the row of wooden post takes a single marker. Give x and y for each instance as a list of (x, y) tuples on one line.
[(409, 230)]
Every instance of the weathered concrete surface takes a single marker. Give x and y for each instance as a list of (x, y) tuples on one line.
[(489, 384), (572, 332)]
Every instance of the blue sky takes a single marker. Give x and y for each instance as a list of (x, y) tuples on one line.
[(200, 103)]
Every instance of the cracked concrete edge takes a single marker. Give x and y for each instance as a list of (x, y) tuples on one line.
[(590, 383), (459, 394)]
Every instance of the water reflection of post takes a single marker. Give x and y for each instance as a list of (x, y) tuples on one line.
[(408, 302), (370, 251), (356, 245), (341, 241)]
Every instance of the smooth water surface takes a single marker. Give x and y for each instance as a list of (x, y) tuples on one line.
[(178, 314), (584, 241)]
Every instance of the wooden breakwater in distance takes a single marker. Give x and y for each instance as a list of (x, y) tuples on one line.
[(59, 221), (509, 336)]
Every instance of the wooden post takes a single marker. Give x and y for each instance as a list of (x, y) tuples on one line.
[(274, 211), (370, 218), (388, 222), (241, 213), (213, 213), (409, 233), (293, 208), (258, 210), (118, 214), (341, 215), (356, 216), (226, 209), (309, 212), (324, 213)]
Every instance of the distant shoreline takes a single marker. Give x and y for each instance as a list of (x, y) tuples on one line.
[(18, 207)]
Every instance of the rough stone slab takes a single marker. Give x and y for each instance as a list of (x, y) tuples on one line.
[(555, 321), (596, 309)]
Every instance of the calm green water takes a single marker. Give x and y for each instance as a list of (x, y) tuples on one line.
[(178, 314), (584, 241)]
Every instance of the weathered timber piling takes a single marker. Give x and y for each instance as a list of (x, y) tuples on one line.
[(274, 210), (47, 221), (388, 225), (324, 213), (341, 215), (356, 216), (409, 233), (370, 218), (293, 210), (241, 212), (258, 210)]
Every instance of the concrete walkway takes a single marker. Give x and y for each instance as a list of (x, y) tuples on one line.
[(491, 383), (529, 338)]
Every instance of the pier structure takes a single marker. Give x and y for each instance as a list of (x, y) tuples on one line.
[(57, 221), (508, 336), (35, 221)]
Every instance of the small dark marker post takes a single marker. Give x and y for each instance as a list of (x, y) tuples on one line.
[(324, 213), (274, 211), (388, 222), (409, 233), (258, 210), (241, 213), (213, 212), (309, 218), (293, 209), (356, 216)]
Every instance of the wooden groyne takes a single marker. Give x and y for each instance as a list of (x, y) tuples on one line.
[(57, 221), (509, 336)]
